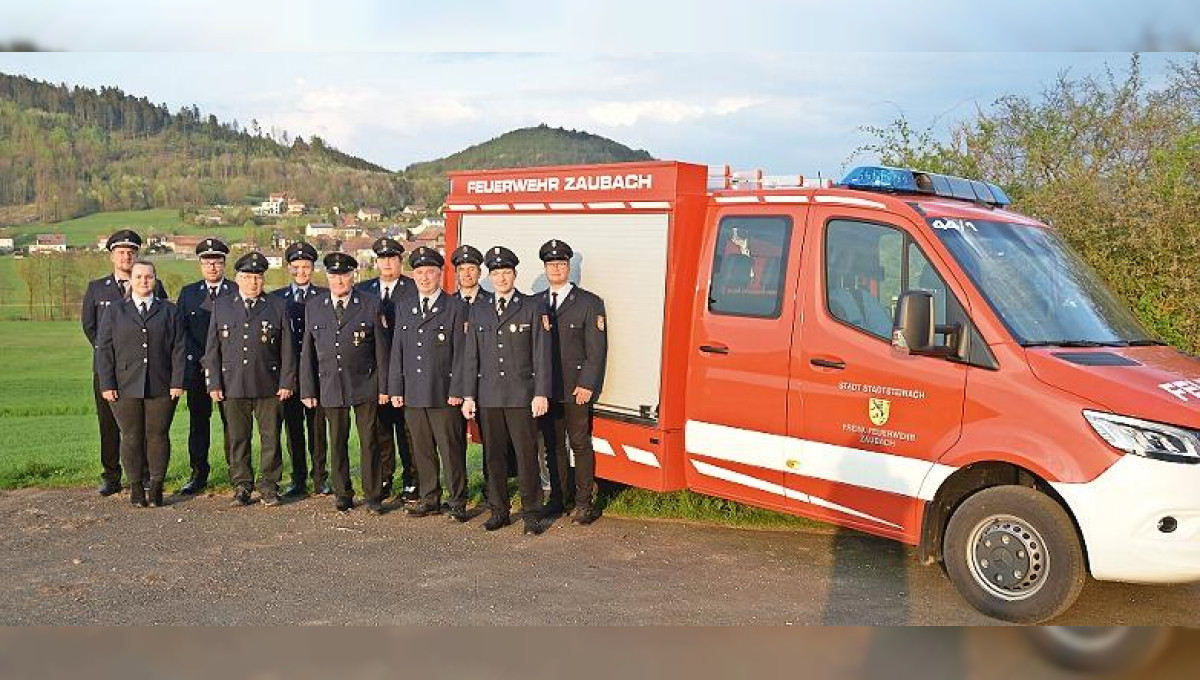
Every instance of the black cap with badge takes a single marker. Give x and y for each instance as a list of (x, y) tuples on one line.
[(212, 247), (387, 247), (499, 257), (300, 251), (125, 238), (555, 250), (465, 254), (340, 263), (426, 257), (252, 263)]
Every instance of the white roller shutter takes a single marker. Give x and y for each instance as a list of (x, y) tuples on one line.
[(621, 258)]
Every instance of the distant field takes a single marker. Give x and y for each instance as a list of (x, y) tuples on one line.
[(83, 231)]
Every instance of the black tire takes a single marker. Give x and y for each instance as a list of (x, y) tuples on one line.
[(1013, 554), (1101, 649)]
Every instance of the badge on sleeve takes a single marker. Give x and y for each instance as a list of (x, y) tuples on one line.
[(600, 322)]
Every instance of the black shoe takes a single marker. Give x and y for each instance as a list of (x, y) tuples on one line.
[(241, 498), (323, 488), (137, 495), (375, 507), (385, 490), (108, 488), (156, 495), (422, 510), (296, 490), (409, 494), (585, 516), (533, 526), (459, 514), (343, 504), (195, 485), (496, 521), (552, 510), (270, 501)]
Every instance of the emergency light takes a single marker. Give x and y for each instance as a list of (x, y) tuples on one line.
[(901, 180)]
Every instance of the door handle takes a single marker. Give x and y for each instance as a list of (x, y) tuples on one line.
[(715, 349), (836, 364)]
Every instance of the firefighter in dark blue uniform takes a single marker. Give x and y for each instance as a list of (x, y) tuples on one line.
[(140, 365), (506, 376), (195, 304), (580, 341), (123, 247), (426, 346), (392, 288), (299, 420), (251, 367), (343, 367)]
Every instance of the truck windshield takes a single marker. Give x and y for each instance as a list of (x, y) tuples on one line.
[(1041, 289)]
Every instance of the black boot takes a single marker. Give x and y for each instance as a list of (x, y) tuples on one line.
[(196, 484), (137, 494), (156, 494), (108, 487)]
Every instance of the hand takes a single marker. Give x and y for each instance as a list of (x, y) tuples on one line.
[(397, 402), (217, 395), (468, 408), (109, 395), (284, 394), (310, 402), (540, 405), (176, 392), (383, 400), (582, 395), (454, 401)]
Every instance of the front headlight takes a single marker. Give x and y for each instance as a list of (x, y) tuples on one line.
[(1146, 438)]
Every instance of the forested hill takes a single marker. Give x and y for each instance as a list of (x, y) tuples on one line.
[(72, 150), (541, 145)]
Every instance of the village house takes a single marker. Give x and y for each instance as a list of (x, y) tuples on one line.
[(6, 245), (48, 243), (369, 214), (315, 229)]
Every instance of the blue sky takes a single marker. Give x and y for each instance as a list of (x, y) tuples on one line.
[(784, 112)]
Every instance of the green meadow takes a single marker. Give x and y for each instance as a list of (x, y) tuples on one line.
[(49, 435)]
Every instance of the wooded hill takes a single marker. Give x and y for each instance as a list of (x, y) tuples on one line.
[(70, 151)]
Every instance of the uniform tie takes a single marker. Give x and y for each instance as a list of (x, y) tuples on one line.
[(467, 299), (299, 295), (387, 294), (212, 292), (424, 307), (249, 305), (554, 304), (338, 309), (124, 286), (143, 308), (501, 305)]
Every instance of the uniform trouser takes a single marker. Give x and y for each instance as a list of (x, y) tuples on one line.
[(298, 420), (568, 421), (200, 408), (240, 415), (110, 436), (441, 430), (500, 427), (510, 455), (365, 416), (145, 426), (393, 438)]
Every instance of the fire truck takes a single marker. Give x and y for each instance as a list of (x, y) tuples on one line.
[(898, 353)]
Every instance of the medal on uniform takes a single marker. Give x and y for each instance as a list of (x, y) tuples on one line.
[(264, 336), (225, 331), (546, 321), (358, 337), (441, 337), (512, 328)]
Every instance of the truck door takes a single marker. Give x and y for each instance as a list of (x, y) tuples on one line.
[(741, 343), (870, 420)]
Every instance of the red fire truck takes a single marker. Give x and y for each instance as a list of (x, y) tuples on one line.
[(898, 353)]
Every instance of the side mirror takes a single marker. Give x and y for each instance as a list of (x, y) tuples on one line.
[(915, 329)]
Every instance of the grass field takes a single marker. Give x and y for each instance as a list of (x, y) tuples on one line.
[(49, 436)]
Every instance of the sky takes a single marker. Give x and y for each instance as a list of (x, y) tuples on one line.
[(786, 113)]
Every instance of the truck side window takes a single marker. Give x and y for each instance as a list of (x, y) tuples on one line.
[(867, 267), (749, 266)]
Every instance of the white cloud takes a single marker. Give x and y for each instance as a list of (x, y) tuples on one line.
[(630, 113)]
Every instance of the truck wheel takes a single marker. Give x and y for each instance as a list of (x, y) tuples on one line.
[(1101, 649), (1013, 554)]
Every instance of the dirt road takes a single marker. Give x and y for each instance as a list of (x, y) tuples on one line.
[(71, 557)]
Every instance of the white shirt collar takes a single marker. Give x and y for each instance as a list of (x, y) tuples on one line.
[(139, 300), (433, 297), (562, 292)]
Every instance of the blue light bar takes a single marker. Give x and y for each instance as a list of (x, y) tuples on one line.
[(903, 180)]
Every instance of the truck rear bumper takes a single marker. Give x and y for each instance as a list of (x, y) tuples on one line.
[(1122, 514)]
